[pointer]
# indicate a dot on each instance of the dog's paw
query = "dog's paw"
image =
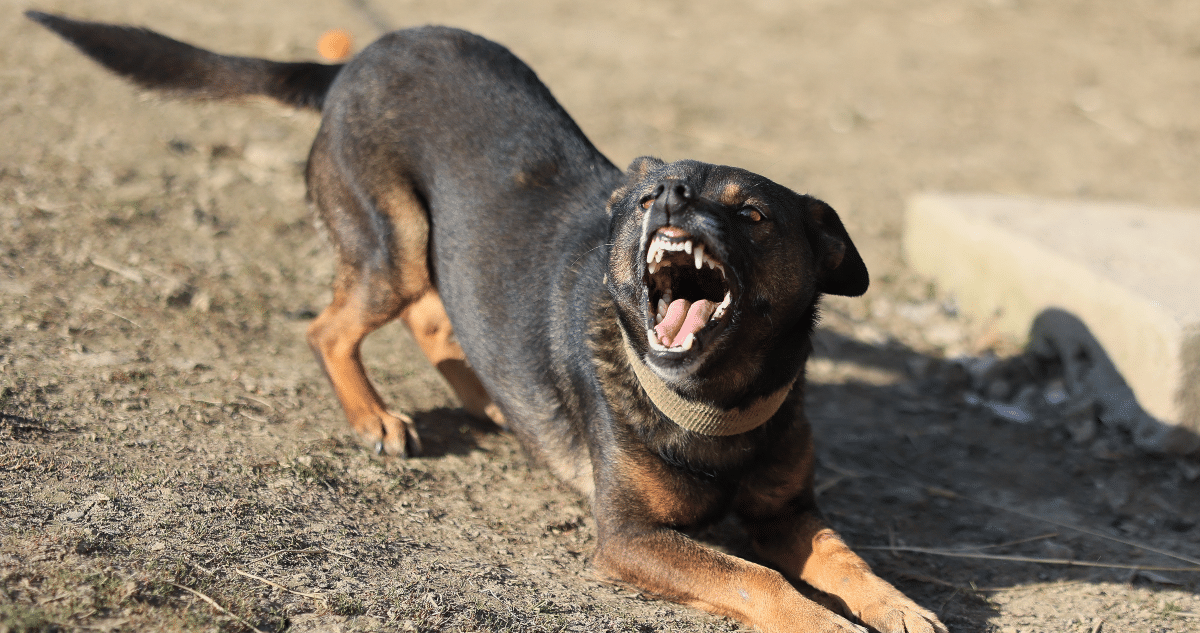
(389, 434)
(898, 614)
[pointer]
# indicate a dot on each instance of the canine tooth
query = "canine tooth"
(652, 267)
(687, 246)
(655, 252)
(687, 342)
(699, 255)
(652, 338)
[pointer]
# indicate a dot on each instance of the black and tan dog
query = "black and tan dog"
(644, 333)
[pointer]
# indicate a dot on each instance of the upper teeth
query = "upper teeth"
(660, 245)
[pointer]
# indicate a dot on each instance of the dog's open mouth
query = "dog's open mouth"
(688, 290)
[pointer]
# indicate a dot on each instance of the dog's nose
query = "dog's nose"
(672, 196)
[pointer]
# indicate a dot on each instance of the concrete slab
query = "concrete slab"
(1130, 273)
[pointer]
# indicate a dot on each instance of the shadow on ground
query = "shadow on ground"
(966, 480)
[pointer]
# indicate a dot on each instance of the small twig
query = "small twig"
(1022, 588)
(950, 494)
(55, 598)
(287, 551)
(314, 596)
(1011, 543)
(931, 580)
(201, 568)
(1089, 531)
(826, 485)
(1022, 559)
(111, 266)
(219, 607)
(342, 554)
(262, 402)
(122, 317)
(1187, 614)
(942, 609)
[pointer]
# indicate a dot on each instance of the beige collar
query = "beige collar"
(702, 417)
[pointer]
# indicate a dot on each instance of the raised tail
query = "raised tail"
(158, 62)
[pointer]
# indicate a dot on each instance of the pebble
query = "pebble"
(1056, 393)
(1009, 412)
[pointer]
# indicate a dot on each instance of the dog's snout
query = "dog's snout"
(672, 196)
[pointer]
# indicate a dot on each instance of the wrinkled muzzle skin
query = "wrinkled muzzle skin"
(731, 323)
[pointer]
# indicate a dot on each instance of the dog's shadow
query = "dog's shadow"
(929, 467)
(451, 431)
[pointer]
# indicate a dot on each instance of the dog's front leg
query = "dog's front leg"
(802, 547)
(663, 562)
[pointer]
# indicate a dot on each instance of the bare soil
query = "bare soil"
(172, 459)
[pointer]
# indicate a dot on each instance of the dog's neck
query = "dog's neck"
(702, 417)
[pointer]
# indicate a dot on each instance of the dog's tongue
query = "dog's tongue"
(683, 318)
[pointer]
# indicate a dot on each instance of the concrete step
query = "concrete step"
(1130, 274)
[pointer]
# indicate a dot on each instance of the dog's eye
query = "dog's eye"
(750, 213)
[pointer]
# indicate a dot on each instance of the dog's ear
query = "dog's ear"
(635, 173)
(641, 166)
(840, 269)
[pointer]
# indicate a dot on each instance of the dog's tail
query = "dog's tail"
(158, 62)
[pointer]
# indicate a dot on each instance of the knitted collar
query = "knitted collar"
(702, 417)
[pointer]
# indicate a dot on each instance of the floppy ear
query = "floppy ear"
(840, 269)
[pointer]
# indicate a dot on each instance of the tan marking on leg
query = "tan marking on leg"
(376, 279)
(666, 563)
(805, 548)
(426, 318)
(336, 338)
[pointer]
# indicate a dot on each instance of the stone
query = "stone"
(1114, 288)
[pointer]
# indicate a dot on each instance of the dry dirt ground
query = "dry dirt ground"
(172, 459)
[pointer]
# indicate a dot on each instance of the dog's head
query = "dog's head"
(716, 273)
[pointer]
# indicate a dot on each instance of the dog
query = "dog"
(643, 332)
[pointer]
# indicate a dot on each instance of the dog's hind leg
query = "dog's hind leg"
(382, 238)
(336, 338)
(426, 318)
(380, 228)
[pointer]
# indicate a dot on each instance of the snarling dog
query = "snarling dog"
(644, 333)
